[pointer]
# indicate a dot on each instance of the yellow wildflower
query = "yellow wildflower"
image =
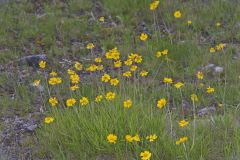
(161, 103)
(117, 64)
(168, 80)
(133, 68)
(143, 37)
(55, 80)
(146, 155)
(138, 59)
(151, 137)
(53, 101)
(136, 138)
(183, 123)
(48, 120)
(154, 5)
(179, 85)
(114, 82)
(90, 46)
(177, 14)
(53, 74)
(84, 101)
(212, 50)
(42, 64)
(199, 75)
(106, 77)
(143, 73)
(74, 78)
(112, 138)
(98, 59)
(78, 66)
(101, 19)
(110, 96)
(194, 97)
(210, 90)
(36, 83)
(189, 22)
(74, 87)
(70, 102)
(127, 103)
(129, 138)
(98, 98)
(70, 72)
(128, 62)
(127, 74)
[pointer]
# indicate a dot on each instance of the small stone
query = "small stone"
(218, 69)
(32, 127)
(209, 66)
(206, 111)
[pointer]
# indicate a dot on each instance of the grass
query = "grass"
(62, 29)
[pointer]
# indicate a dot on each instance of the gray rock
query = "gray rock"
(209, 66)
(218, 69)
(33, 60)
(32, 127)
(206, 111)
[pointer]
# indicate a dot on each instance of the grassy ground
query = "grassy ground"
(62, 30)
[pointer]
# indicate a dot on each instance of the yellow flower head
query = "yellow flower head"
(98, 98)
(218, 24)
(146, 155)
(42, 64)
(106, 77)
(129, 138)
(154, 5)
(127, 74)
(100, 67)
(138, 59)
(75, 78)
(161, 103)
(158, 54)
(183, 123)
(70, 72)
(90, 46)
(98, 59)
(179, 85)
(143, 37)
(133, 68)
(78, 66)
(110, 96)
(194, 97)
(74, 87)
(113, 54)
(53, 101)
(92, 68)
(84, 101)
(210, 90)
(55, 80)
(112, 138)
(151, 137)
(128, 62)
(36, 83)
(114, 82)
(117, 64)
(143, 73)
(53, 74)
(127, 103)
(199, 75)
(181, 140)
(136, 138)
(168, 80)
(165, 52)
(189, 22)
(177, 14)
(70, 102)
(48, 120)
(212, 50)
(101, 19)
